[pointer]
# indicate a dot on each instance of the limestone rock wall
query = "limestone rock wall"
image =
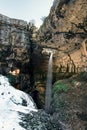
(65, 30)
(14, 41)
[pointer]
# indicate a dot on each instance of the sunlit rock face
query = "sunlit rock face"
(65, 30)
(13, 102)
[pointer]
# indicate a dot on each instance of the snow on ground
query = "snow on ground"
(13, 101)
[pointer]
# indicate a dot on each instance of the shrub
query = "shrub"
(60, 87)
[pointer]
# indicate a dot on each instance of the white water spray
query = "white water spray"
(49, 84)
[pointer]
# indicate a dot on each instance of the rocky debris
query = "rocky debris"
(39, 121)
(69, 102)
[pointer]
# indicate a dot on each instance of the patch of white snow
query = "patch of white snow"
(13, 101)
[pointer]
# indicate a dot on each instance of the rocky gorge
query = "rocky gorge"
(24, 56)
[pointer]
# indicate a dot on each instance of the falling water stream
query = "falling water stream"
(13, 102)
(49, 84)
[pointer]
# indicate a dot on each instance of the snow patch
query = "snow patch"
(13, 101)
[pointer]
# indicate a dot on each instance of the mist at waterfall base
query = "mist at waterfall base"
(12, 102)
(49, 84)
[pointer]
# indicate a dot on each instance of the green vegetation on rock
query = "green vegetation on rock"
(60, 87)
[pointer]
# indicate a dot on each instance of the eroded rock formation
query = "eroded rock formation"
(14, 41)
(16, 46)
(65, 30)
(13, 38)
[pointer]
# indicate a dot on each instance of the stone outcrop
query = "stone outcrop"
(13, 36)
(14, 42)
(16, 48)
(69, 102)
(65, 31)
(16, 39)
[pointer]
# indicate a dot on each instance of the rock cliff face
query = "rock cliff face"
(13, 37)
(14, 41)
(65, 32)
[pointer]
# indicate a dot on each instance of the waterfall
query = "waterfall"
(49, 84)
